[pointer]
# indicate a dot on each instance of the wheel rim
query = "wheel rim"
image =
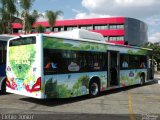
(94, 89)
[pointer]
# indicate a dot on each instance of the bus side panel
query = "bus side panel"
(24, 70)
(71, 85)
(131, 77)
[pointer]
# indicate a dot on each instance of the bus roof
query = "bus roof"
(83, 35)
(80, 34)
(5, 37)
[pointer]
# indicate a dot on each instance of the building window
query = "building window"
(71, 28)
(19, 31)
(112, 38)
(120, 38)
(120, 26)
(48, 30)
(101, 27)
(106, 38)
(33, 30)
(112, 27)
(62, 29)
(116, 38)
(87, 27)
(56, 29)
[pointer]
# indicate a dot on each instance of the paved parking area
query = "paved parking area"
(134, 103)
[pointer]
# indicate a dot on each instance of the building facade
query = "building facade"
(119, 30)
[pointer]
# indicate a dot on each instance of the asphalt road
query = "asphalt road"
(131, 103)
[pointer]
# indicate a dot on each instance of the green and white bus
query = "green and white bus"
(71, 64)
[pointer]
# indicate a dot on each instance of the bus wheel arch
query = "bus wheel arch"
(94, 86)
(142, 78)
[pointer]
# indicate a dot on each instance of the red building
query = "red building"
(119, 30)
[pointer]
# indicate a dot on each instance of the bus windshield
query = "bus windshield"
(23, 41)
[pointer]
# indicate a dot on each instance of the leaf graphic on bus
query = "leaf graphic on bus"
(58, 43)
(21, 59)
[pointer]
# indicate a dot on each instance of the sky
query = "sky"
(145, 10)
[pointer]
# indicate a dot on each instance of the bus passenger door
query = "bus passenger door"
(113, 68)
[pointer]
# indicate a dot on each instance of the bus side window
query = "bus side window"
(142, 65)
(124, 61)
(143, 62)
(51, 63)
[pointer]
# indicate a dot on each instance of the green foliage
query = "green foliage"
(1, 27)
(30, 20)
(138, 52)
(156, 50)
(53, 43)
(26, 4)
(125, 79)
(77, 87)
(9, 14)
(19, 65)
(8, 11)
(60, 44)
(40, 29)
(51, 89)
(63, 91)
(52, 16)
(93, 46)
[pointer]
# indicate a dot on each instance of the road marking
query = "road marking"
(130, 108)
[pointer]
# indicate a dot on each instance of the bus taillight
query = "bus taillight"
(8, 84)
(37, 85)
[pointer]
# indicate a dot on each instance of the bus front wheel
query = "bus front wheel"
(94, 88)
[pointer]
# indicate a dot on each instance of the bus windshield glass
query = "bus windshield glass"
(23, 41)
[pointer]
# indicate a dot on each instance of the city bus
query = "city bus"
(72, 63)
(3, 47)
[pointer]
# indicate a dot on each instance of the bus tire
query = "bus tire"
(3, 90)
(142, 79)
(94, 88)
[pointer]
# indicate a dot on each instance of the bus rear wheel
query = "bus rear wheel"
(3, 90)
(142, 80)
(94, 89)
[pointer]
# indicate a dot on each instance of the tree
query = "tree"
(52, 16)
(40, 29)
(156, 50)
(27, 18)
(30, 20)
(3, 17)
(8, 11)
(1, 27)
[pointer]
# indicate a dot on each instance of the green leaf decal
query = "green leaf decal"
(21, 59)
